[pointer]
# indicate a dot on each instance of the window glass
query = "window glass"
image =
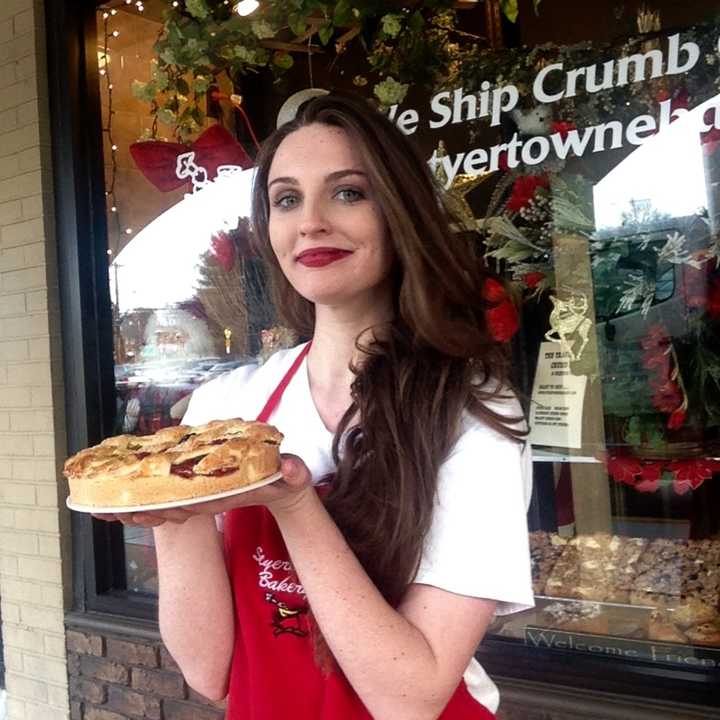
(188, 296)
(591, 173)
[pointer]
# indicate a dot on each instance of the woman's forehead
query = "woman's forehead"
(315, 147)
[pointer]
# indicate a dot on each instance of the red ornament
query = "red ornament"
(624, 468)
(524, 190)
(691, 474)
(503, 321)
(214, 147)
(563, 128)
(677, 418)
(532, 279)
(650, 474)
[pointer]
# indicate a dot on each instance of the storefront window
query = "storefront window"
(188, 296)
(590, 173)
(616, 246)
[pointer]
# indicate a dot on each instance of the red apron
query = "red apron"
(273, 674)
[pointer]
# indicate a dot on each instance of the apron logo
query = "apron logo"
(286, 619)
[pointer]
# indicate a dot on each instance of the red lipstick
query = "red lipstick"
(319, 257)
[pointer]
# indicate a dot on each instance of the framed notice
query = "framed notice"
(556, 410)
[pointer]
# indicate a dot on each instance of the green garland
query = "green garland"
(203, 39)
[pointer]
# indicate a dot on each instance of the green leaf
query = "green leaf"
(200, 85)
(510, 9)
(416, 21)
(197, 8)
(343, 14)
(283, 60)
(297, 23)
(325, 32)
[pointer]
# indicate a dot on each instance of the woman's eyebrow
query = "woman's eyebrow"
(332, 177)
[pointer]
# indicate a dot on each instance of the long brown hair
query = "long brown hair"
(435, 360)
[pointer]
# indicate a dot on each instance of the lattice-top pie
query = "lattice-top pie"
(175, 463)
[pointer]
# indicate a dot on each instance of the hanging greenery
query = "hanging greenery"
(414, 43)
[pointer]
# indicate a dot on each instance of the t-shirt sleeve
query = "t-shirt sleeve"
(478, 541)
(222, 398)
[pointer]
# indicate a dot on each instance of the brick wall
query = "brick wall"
(114, 677)
(34, 578)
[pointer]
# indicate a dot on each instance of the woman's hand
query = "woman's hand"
(284, 495)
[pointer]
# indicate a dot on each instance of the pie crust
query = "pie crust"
(182, 462)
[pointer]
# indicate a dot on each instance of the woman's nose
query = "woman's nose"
(314, 218)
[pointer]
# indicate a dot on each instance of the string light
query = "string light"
(246, 7)
(104, 61)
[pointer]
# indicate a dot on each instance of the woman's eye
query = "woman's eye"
(349, 195)
(285, 202)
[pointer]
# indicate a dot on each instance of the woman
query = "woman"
(365, 579)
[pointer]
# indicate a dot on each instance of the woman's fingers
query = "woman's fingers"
(294, 471)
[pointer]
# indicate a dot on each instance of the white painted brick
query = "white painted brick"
(36, 519)
(52, 596)
(44, 445)
(22, 91)
(49, 546)
(18, 47)
(9, 565)
(23, 23)
(9, 167)
(16, 709)
(32, 207)
(29, 183)
(24, 138)
(26, 67)
(43, 618)
(54, 646)
(37, 301)
(39, 420)
(22, 470)
(39, 568)
(4, 421)
(9, 121)
(7, 518)
(28, 326)
(23, 687)
(14, 444)
(30, 159)
(11, 351)
(41, 397)
(3, 376)
(40, 350)
(34, 254)
(46, 496)
(6, 30)
(8, 74)
(20, 590)
(14, 661)
(12, 305)
(18, 397)
(19, 280)
(59, 698)
(12, 211)
(10, 612)
(22, 233)
(17, 494)
(12, 259)
(34, 373)
(48, 669)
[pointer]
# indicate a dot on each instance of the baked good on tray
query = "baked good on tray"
(176, 463)
(545, 549)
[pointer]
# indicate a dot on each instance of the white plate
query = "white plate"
(175, 503)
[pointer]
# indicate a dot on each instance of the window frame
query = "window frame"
(81, 232)
(86, 318)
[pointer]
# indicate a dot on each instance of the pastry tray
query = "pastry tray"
(174, 503)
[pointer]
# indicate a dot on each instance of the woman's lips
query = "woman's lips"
(321, 256)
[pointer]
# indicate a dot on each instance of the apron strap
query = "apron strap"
(274, 398)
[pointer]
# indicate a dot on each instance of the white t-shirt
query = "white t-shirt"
(478, 540)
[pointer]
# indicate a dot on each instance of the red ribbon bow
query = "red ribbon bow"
(157, 160)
